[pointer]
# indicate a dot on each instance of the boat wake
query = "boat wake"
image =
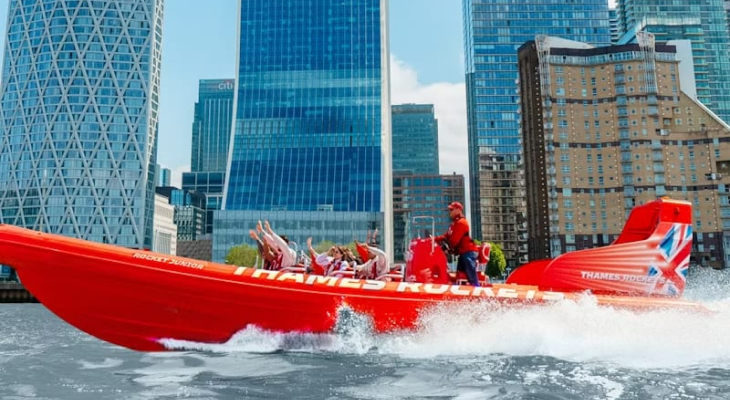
(576, 331)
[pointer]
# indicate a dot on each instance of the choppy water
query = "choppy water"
(563, 351)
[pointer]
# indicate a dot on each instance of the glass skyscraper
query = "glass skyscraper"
(79, 97)
(415, 139)
(493, 32)
(211, 138)
(702, 22)
(212, 125)
(311, 144)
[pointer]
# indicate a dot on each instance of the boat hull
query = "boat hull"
(136, 298)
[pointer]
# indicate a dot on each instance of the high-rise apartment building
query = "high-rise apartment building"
(608, 128)
(704, 23)
(415, 139)
(79, 103)
(613, 25)
(211, 139)
(493, 31)
(311, 145)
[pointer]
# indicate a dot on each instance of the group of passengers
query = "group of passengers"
(338, 261)
(371, 262)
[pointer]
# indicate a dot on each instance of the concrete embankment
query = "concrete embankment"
(15, 293)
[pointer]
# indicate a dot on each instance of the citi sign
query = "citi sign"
(227, 85)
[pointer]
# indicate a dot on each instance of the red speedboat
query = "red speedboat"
(135, 298)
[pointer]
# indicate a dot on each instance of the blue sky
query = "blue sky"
(200, 43)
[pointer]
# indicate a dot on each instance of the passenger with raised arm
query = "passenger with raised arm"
(377, 261)
(316, 267)
(269, 256)
(333, 261)
(459, 243)
(280, 243)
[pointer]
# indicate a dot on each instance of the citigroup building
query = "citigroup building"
(310, 149)
(78, 122)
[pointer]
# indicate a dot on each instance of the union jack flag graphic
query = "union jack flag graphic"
(675, 248)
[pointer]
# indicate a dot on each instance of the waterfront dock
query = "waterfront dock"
(13, 292)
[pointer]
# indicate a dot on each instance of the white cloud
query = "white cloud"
(176, 175)
(449, 100)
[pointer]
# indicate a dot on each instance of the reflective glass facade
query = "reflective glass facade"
(425, 198)
(211, 138)
(674, 19)
(211, 185)
(80, 89)
(311, 109)
(415, 139)
(212, 125)
(493, 31)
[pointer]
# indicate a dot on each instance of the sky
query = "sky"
(427, 67)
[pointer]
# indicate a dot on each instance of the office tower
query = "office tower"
(704, 23)
(311, 146)
(189, 212)
(212, 125)
(211, 138)
(80, 90)
(606, 129)
(415, 139)
(493, 31)
(420, 195)
(164, 175)
(420, 206)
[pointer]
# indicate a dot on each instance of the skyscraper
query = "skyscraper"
(420, 194)
(164, 175)
(211, 138)
(80, 90)
(311, 145)
(705, 24)
(613, 25)
(415, 139)
(493, 31)
(212, 125)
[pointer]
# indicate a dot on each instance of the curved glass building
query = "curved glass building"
(79, 102)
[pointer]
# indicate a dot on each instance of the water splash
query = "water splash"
(577, 331)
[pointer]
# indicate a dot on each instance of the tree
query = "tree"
(497, 263)
(243, 255)
(323, 247)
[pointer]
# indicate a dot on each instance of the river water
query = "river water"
(569, 350)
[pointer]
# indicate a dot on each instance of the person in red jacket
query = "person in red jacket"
(457, 237)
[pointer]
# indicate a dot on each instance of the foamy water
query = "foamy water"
(573, 331)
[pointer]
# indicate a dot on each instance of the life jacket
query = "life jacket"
(335, 266)
(363, 251)
(275, 263)
(317, 268)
